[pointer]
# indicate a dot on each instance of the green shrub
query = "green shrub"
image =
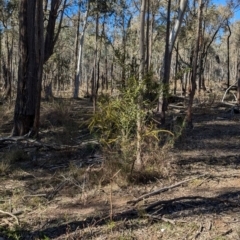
(115, 122)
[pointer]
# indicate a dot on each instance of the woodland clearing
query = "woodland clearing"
(53, 188)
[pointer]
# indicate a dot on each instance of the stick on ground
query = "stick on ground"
(147, 195)
(10, 214)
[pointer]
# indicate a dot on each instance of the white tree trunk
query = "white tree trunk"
(174, 32)
(79, 60)
(177, 25)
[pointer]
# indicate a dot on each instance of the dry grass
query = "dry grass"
(69, 194)
(6, 118)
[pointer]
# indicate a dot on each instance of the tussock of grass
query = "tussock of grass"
(58, 119)
(57, 113)
(9, 159)
(4, 167)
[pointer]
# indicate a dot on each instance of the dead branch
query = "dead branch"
(147, 195)
(159, 218)
(31, 143)
(10, 214)
(162, 202)
(35, 195)
(227, 91)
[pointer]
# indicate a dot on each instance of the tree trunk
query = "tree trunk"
(148, 36)
(7, 69)
(78, 74)
(106, 69)
(1, 57)
(176, 71)
(228, 57)
(194, 65)
(162, 103)
(238, 88)
(51, 37)
(177, 25)
(76, 53)
(7, 81)
(39, 42)
(170, 41)
(138, 162)
(30, 67)
(33, 53)
(95, 71)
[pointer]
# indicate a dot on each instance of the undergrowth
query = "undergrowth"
(115, 124)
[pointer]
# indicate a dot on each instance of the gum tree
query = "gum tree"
(34, 51)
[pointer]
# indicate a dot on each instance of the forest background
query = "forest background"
(117, 95)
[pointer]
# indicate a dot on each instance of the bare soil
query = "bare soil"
(56, 191)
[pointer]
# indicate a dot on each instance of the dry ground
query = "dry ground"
(58, 193)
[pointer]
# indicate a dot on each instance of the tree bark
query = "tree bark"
(176, 71)
(30, 66)
(95, 66)
(170, 41)
(51, 37)
(228, 53)
(138, 162)
(238, 88)
(194, 65)
(162, 103)
(78, 74)
(33, 53)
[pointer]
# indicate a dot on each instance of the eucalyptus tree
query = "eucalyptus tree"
(195, 62)
(82, 6)
(234, 51)
(142, 67)
(100, 15)
(215, 18)
(34, 50)
(8, 10)
(171, 36)
(228, 53)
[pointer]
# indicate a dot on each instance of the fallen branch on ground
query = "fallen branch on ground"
(147, 195)
(10, 214)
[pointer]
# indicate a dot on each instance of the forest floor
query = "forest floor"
(53, 190)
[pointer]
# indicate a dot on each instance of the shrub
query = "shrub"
(115, 123)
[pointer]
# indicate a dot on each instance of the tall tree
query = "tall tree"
(169, 44)
(33, 52)
(138, 163)
(228, 54)
(162, 104)
(195, 63)
(80, 43)
(30, 67)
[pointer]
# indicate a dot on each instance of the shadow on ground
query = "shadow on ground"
(174, 209)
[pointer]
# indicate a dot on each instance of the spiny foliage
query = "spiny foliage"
(116, 115)
(115, 121)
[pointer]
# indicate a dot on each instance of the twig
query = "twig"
(168, 220)
(35, 195)
(205, 179)
(10, 214)
(147, 195)
(227, 232)
(35, 143)
(199, 231)
(161, 218)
